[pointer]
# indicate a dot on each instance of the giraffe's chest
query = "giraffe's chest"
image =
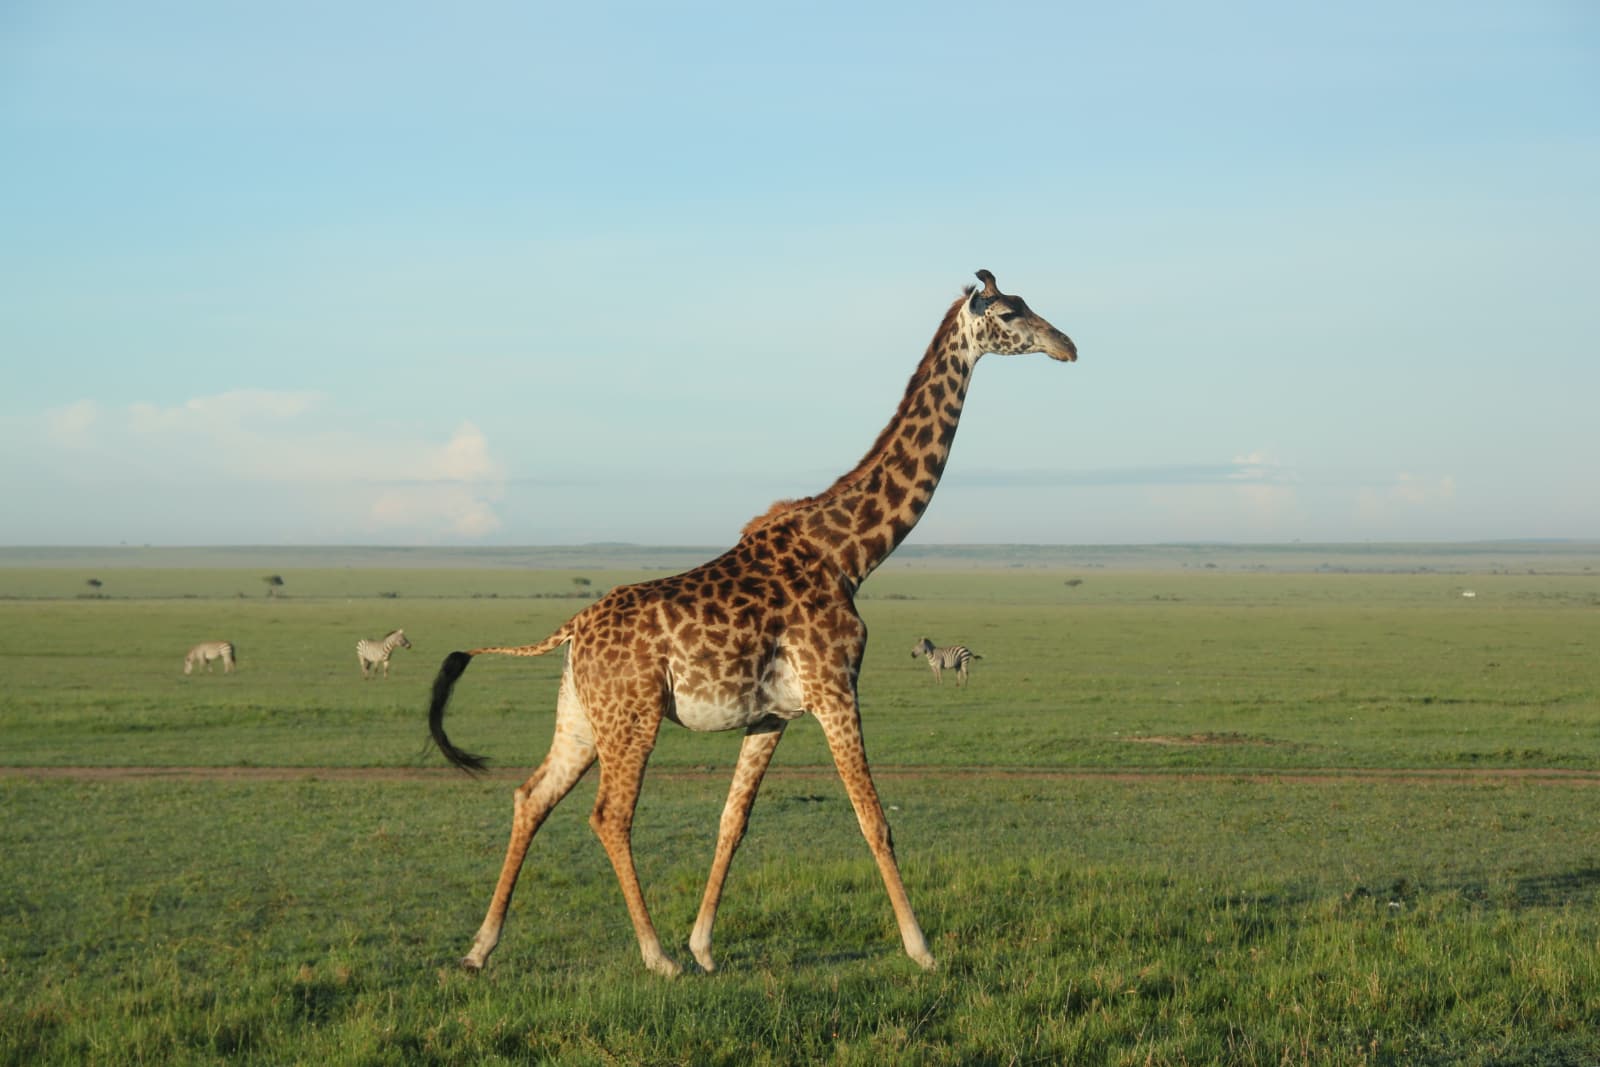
(708, 695)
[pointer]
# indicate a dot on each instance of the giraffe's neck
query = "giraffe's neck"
(859, 520)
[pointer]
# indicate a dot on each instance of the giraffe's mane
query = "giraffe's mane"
(919, 378)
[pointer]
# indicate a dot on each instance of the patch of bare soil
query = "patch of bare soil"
(1189, 740)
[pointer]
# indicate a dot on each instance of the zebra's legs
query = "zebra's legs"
(754, 756)
(571, 753)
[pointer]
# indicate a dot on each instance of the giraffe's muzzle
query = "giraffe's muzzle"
(1058, 345)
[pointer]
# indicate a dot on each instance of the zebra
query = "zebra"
(206, 651)
(373, 653)
(953, 656)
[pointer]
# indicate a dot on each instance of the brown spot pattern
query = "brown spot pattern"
(764, 632)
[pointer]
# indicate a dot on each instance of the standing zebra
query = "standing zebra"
(953, 656)
(373, 653)
(205, 652)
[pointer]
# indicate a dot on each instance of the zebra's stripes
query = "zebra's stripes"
(375, 653)
(953, 657)
(207, 651)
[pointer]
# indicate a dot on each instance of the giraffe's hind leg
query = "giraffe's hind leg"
(754, 756)
(622, 758)
(571, 754)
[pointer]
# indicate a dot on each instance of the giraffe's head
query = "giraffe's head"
(1006, 326)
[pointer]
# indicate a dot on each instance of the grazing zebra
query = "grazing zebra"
(207, 651)
(373, 653)
(954, 656)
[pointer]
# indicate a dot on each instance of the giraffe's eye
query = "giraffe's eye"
(1007, 316)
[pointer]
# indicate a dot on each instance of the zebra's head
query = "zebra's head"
(923, 648)
(399, 637)
(1006, 326)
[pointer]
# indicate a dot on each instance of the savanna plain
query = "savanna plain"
(1312, 807)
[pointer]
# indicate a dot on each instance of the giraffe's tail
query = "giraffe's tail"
(455, 664)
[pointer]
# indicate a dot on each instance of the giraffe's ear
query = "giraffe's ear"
(981, 299)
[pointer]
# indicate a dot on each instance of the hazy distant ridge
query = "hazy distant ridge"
(1569, 557)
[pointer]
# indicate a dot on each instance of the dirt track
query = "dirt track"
(512, 776)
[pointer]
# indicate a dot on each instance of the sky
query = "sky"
(496, 273)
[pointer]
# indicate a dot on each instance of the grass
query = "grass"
(1298, 671)
(1178, 817)
(1075, 921)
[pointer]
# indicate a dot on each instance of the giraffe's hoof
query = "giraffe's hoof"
(701, 950)
(926, 961)
(470, 964)
(663, 966)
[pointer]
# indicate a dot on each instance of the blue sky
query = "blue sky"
(520, 273)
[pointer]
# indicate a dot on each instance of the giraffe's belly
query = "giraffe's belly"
(735, 704)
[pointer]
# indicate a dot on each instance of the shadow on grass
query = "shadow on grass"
(1580, 886)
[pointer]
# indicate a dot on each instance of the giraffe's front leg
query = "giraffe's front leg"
(754, 757)
(841, 724)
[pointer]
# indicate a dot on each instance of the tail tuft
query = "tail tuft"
(452, 668)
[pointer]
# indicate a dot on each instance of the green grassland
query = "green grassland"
(1183, 814)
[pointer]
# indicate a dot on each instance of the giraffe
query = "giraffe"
(764, 633)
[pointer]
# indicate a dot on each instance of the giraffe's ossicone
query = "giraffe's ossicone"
(764, 633)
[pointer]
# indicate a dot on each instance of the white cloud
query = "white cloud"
(434, 511)
(224, 411)
(225, 450)
(1258, 466)
(1243, 511)
(465, 458)
(1405, 495)
(71, 426)
(456, 485)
